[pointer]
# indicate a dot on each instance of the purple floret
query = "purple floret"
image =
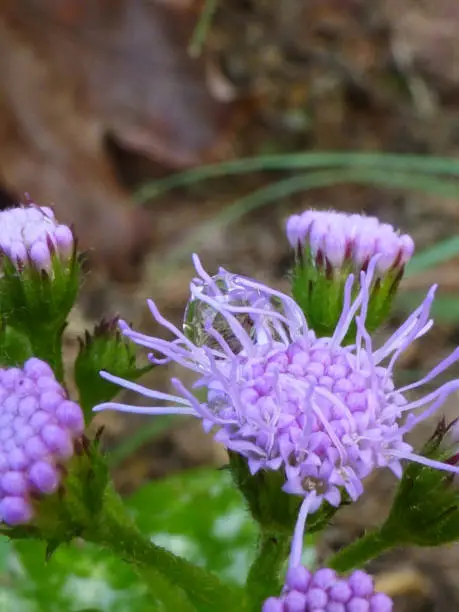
(305, 591)
(38, 426)
(31, 235)
(339, 239)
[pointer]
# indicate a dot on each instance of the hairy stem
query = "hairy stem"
(116, 532)
(359, 552)
(264, 575)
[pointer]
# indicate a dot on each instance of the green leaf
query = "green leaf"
(77, 578)
(200, 516)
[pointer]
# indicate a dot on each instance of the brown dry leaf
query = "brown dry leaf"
(425, 39)
(75, 72)
(401, 582)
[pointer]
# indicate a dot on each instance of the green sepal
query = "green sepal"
(425, 511)
(319, 291)
(105, 349)
(15, 347)
(37, 304)
(273, 509)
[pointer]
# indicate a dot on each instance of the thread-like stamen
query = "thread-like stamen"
(441, 367)
(132, 386)
(348, 312)
(168, 325)
(298, 534)
(203, 274)
(437, 465)
(398, 341)
(151, 410)
(288, 303)
(217, 336)
(442, 394)
(200, 408)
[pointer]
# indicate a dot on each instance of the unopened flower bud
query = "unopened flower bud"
(39, 276)
(38, 427)
(328, 247)
(305, 591)
(30, 235)
(349, 240)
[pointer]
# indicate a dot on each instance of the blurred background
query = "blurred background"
(103, 102)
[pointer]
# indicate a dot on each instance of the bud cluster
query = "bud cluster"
(329, 246)
(31, 235)
(38, 428)
(325, 591)
(336, 240)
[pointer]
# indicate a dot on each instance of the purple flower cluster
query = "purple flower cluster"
(324, 591)
(339, 239)
(31, 234)
(38, 426)
(325, 413)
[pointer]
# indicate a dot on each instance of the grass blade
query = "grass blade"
(294, 161)
(305, 182)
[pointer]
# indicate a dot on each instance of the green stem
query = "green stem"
(359, 552)
(263, 579)
(116, 532)
(169, 596)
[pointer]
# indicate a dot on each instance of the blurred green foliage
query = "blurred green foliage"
(197, 514)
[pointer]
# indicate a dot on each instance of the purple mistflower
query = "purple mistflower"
(338, 239)
(31, 234)
(38, 426)
(325, 413)
(324, 591)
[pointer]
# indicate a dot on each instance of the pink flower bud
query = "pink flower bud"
(31, 234)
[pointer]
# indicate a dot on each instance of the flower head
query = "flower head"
(324, 590)
(336, 240)
(328, 247)
(39, 271)
(31, 234)
(38, 426)
(323, 412)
